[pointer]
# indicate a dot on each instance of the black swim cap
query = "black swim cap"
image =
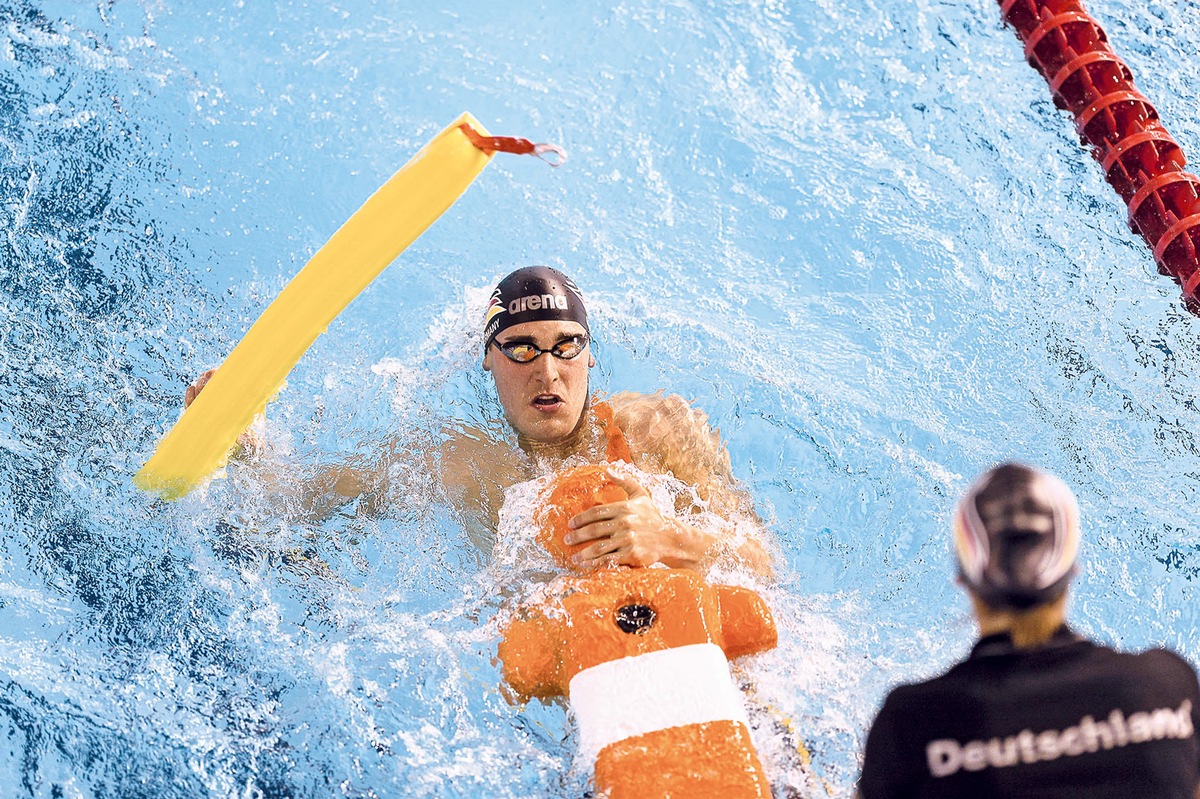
(1016, 535)
(533, 294)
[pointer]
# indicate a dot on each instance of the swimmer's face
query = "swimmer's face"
(543, 399)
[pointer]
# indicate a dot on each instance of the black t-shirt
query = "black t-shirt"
(1068, 719)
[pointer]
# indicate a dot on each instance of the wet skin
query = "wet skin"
(543, 399)
(546, 402)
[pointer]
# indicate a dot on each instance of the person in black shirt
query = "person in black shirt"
(1035, 710)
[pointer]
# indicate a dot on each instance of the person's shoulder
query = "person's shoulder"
(960, 681)
(625, 403)
(668, 434)
(1155, 657)
(1157, 666)
(657, 416)
(1166, 662)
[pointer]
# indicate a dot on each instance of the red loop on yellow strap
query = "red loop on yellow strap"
(515, 145)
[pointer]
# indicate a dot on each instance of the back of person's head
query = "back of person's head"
(1016, 537)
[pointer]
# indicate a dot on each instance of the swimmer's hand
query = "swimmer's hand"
(249, 443)
(633, 533)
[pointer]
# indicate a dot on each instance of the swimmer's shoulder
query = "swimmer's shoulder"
(1157, 664)
(1164, 667)
(652, 417)
(668, 434)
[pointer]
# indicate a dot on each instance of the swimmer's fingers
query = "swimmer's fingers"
(603, 551)
(627, 548)
(195, 388)
(250, 444)
(599, 513)
(623, 556)
(593, 530)
(630, 508)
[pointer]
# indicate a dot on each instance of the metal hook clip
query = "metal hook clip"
(557, 155)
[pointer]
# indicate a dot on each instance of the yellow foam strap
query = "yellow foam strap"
(394, 216)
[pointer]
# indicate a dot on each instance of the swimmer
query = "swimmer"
(537, 349)
(1035, 709)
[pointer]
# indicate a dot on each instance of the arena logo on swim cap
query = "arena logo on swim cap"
(537, 302)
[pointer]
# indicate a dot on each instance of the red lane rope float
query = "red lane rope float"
(1151, 152)
(1141, 160)
(550, 153)
(1093, 69)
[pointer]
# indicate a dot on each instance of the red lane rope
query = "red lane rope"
(551, 154)
(1076, 66)
(1141, 160)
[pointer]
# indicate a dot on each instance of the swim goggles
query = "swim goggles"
(527, 352)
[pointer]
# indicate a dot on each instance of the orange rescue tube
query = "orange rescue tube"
(575, 491)
(643, 656)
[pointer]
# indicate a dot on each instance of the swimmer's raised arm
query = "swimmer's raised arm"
(313, 492)
(249, 443)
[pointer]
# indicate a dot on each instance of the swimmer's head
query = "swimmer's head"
(1016, 536)
(537, 348)
(533, 294)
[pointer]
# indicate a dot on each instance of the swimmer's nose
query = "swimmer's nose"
(546, 367)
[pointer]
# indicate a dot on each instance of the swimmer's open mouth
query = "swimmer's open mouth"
(547, 401)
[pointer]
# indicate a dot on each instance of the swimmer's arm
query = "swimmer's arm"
(745, 540)
(317, 491)
(695, 548)
(668, 435)
(331, 486)
(715, 483)
(475, 469)
(634, 533)
(311, 493)
(468, 469)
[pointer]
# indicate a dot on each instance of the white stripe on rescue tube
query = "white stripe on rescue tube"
(646, 693)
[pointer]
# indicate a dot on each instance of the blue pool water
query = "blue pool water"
(858, 235)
